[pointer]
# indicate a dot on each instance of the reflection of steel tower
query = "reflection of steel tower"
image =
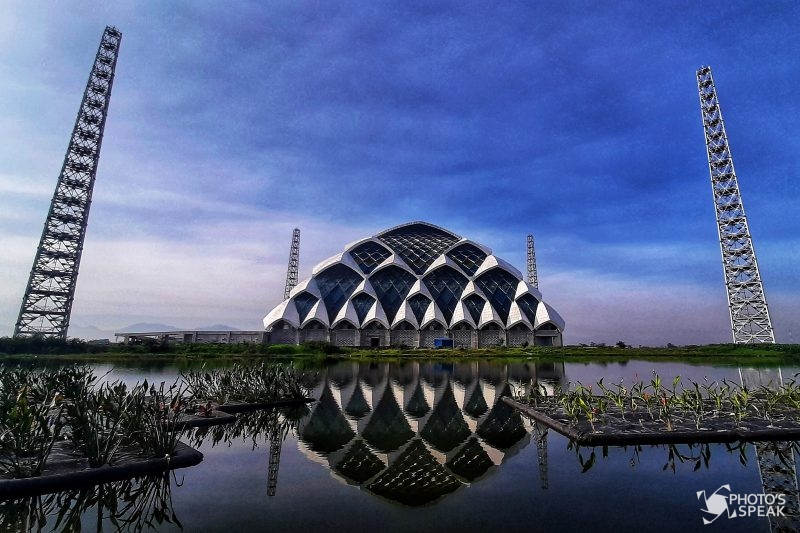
(776, 465)
(48, 298)
(533, 279)
(540, 435)
(776, 461)
(294, 264)
(275, 444)
(750, 320)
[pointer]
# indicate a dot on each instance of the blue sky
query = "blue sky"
(232, 123)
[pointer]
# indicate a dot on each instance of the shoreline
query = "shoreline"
(758, 355)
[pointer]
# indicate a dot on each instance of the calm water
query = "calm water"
(422, 447)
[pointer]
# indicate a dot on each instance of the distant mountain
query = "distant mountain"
(217, 327)
(89, 333)
(142, 327)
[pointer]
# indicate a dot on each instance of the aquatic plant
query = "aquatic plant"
(38, 408)
(101, 421)
(259, 383)
(651, 402)
(30, 421)
(154, 416)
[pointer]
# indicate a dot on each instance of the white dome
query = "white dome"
(411, 277)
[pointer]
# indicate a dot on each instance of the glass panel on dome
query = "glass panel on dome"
(528, 304)
(369, 255)
(468, 257)
(419, 304)
(474, 305)
(304, 302)
(446, 286)
(418, 244)
(499, 286)
(392, 285)
(362, 304)
(336, 284)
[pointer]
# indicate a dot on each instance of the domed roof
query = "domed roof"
(415, 273)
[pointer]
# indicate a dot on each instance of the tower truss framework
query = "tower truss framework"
(47, 303)
(750, 320)
(294, 264)
(533, 277)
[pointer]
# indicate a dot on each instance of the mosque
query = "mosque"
(415, 285)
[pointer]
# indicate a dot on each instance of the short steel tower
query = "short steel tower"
(533, 278)
(750, 321)
(48, 298)
(294, 264)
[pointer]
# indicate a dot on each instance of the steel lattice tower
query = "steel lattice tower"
(294, 264)
(750, 321)
(533, 278)
(48, 298)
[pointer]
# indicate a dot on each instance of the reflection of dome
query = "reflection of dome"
(417, 442)
(410, 285)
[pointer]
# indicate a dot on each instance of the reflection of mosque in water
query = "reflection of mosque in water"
(415, 432)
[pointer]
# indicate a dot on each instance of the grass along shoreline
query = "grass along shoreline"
(43, 350)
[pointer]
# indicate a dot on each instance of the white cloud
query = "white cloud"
(603, 308)
(231, 272)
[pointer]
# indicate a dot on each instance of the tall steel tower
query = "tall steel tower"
(750, 322)
(533, 278)
(294, 264)
(48, 298)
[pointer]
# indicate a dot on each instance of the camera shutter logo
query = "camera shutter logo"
(716, 504)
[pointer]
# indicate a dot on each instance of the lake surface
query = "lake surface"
(422, 446)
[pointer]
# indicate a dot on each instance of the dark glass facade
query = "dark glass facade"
(528, 304)
(418, 244)
(392, 285)
(362, 304)
(474, 305)
(468, 257)
(336, 283)
(446, 286)
(304, 302)
(499, 287)
(369, 255)
(419, 304)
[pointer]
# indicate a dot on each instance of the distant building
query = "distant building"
(410, 285)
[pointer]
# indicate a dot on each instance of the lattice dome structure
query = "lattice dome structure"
(410, 285)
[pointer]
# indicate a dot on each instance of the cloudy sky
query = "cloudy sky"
(232, 123)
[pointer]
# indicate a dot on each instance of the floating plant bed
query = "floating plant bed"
(225, 413)
(61, 429)
(657, 413)
(638, 428)
(240, 407)
(64, 471)
(215, 417)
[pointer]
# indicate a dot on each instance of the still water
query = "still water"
(419, 446)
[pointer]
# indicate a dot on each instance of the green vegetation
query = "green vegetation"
(41, 407)
(260, 383)
(31, 420)
(663, 404)
(22, 350)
